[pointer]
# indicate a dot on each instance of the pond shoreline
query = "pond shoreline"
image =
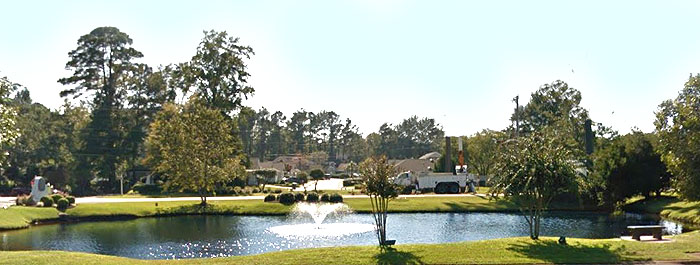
(129, 211)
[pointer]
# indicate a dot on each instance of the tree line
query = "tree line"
(111, 102)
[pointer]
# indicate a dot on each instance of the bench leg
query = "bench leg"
(635, 236)
(657, 236)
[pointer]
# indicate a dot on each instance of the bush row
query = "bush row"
(61, 202)
(290, 198)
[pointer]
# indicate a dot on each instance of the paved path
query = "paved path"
(236, 198)
(7, 202)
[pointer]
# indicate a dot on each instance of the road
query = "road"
(7, 202)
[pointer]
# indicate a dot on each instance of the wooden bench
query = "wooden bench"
(638, 230)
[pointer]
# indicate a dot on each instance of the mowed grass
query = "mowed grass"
(436, 204)
(498, 251)
(20, 217)
(669, 207)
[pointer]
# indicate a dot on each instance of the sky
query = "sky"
(459, 62)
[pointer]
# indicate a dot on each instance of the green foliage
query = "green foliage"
(56, 197)
(270, 198)
(24, 200)
(217, 72)
(325, 197)
(555, 105)
(312, 197)
(532, 170)
(413, 137)
(62, 204)
(377, 175)
(70, 199)
(627, 166)
(193, 147)
(48, 141)
(678, 128)
(482, 151)
(335, 198)
(147, 189)
(316, 174)
(102, 68)
(8, 129)
(46, 201)
(287, 198)
(299, 196)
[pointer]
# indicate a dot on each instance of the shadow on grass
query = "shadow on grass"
(553, 252)
(390, 256)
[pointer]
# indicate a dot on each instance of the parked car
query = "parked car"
(17, 191)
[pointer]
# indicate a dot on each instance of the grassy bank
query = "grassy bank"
(498, 251)
(668, 207)
(19, 217)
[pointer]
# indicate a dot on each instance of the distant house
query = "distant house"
(253, 178)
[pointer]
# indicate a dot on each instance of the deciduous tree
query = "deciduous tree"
(531, 171)
(193, 147)
(217, 73)
(377, 176)
(678, 128)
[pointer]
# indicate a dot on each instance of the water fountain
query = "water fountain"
(318, 212)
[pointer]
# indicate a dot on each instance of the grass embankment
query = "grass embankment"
(498, 251)
(669, 207)
(20, 217)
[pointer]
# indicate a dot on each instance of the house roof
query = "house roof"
(415, 165)
(433, 155)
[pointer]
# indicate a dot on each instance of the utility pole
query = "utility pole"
(517, 116)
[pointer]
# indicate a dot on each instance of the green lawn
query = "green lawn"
(21, 217)
(18, 217)
(498, 251)
(667, 206)
(508, 250)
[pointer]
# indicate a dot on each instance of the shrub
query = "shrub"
(247, 191)
(312, 197)
(270, 198)
(325, 197)
(348, 183)
(277, 191)
(56, 197)
(47, 201)
(335, 198)
(62, 204)
(287, 198)
(147, 189)
(299, 196)
(359, 187)
(237, 190)
(24, 200)
(71, 199)
(256, 190)
(6, 185)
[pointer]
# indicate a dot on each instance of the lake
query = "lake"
(219, 236)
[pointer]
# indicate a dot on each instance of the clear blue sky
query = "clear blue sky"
(460, 62)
